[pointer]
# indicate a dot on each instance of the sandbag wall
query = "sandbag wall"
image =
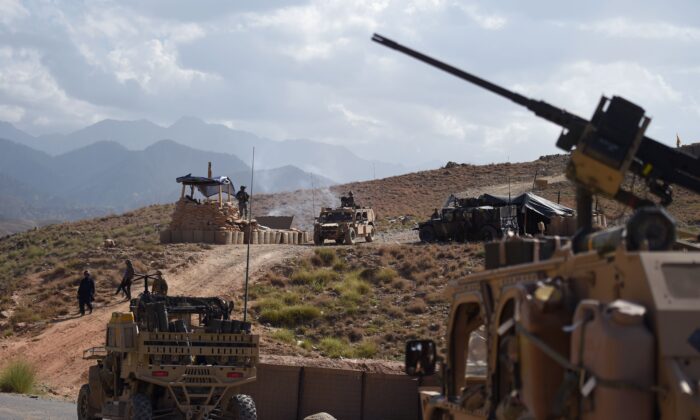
(294, 392)
(233, 237)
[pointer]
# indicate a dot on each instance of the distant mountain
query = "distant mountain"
(106, 177)
(332, 161)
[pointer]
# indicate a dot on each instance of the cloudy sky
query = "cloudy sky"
(307, 69)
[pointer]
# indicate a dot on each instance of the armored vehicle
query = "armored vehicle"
(345, 223)
(171, 357)
(600, 325)
(469, 220)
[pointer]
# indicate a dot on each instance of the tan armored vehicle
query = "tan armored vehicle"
(602, 325)
(171, 357)
(345, 223)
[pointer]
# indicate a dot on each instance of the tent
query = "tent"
(531, 208)
(208, 186)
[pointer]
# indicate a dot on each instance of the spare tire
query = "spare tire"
(350, 236)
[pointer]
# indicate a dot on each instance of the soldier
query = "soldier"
(125, 285)
(160, 286)
(86, 292)
(243, 198)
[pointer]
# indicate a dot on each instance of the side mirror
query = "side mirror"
(421, 357)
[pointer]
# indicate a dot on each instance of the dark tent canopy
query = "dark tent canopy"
(208, 186)
(531, 202)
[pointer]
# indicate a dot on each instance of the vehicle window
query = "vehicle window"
(476, 353)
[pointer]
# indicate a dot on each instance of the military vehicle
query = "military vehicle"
(602, 325)
(469, 220)
(171, 357)
(345, 224)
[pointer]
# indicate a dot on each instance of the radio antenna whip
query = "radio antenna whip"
(250, 234)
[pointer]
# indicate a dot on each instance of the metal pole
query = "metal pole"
(313, 198)
(250, 235)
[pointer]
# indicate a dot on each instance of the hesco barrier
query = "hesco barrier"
(294, 392)
(226, 237)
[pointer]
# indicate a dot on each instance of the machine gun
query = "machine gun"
(603, 149)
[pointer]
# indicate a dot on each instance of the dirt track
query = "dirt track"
(57, 351)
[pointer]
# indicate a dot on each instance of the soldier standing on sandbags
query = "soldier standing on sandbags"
(243, 198)
(86, 292)
(125, 285)
(160, 286)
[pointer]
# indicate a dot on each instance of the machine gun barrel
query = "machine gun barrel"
(540, 108)
(654, 159)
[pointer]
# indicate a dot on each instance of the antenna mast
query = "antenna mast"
(250, 234)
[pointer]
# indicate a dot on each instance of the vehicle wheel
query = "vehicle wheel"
(488, 233)
(370, 236)
(140, 407)
(85, 412)
(243, 407)
(317, 239)
(350, 236)
(340, 241)
(426, 234)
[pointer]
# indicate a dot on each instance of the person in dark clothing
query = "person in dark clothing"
(243, 198)
(125, 285)
(86, 292)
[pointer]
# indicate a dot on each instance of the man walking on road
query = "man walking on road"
(125, 285)
(242, 198)
(86, 292)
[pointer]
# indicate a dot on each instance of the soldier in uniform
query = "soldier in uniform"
(160, 286)
(125, 285)
(86, 292)
(243, 198)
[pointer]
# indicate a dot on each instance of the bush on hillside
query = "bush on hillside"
(17, 377)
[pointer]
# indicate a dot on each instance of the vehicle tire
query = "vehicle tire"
(340, 241)
(350, 236)
(317, 239)
(488, 233)
(370, 236)
(140, 407)
(427, 234)
(85, 412)
(242, 407)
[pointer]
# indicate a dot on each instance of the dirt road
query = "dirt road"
(57, 351)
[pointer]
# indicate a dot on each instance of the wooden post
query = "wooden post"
(220, 198)
(228, 192)
(182, 194)
(209, 171)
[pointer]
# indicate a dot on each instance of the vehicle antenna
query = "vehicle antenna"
(534, 180)
(250, 233)
(313, 196)
(508, 160)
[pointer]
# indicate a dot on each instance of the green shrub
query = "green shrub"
(385, 275)
(366, 350)
(290, 316)
(335, 348)
(18, 377)
(326, 256)
(283, 335)
(316, 279)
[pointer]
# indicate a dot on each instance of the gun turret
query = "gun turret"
(605, 147)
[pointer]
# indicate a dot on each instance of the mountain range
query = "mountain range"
(106, 177)
(334, 162)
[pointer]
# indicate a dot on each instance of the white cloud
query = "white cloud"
(451, 126)
(24, 79)
(12, 10)
(625, 28)
(484, 20)
(579, 85)
(11, 113)
(353, 118)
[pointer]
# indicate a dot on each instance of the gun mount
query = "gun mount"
(603, 149)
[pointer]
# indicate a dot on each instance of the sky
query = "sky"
(307, 69)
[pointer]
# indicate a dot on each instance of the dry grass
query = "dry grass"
(382, 296)
(18, 376)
